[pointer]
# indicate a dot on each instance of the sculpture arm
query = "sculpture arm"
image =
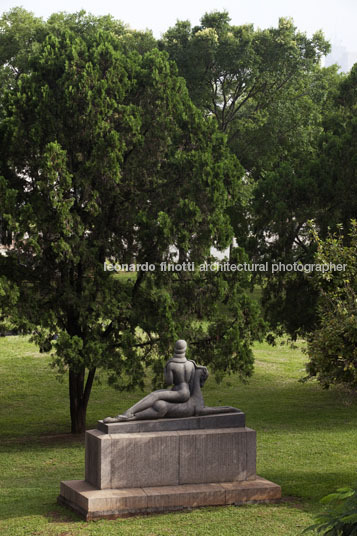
(197, 366)
(200, 367)
(168, 374)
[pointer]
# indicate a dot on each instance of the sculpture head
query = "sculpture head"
(180, 348)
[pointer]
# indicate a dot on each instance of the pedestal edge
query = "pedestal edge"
(200, 422)
(114, 503)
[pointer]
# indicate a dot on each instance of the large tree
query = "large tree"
(335, 168)
(104, 157)
(269, 94)
(236, 72)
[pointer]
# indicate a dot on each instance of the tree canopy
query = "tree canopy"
(105, 158)
(271, 97)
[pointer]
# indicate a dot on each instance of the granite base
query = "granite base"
(147, 459)
(92, 503)
(145, 467)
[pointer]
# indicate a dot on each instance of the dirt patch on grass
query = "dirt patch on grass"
(295, 502)
(59, 517)
(61, 438)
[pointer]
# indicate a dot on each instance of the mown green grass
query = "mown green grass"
(307, 443)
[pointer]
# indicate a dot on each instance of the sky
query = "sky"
(337, 18)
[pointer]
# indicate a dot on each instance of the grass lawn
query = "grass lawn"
(307, 443)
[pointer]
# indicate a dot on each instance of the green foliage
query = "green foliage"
(234, 72)
(8, 298)
(19, 33)
(340, 519)
(321, 187)
(269, 94)
(104, 156)
(332, 346)
(335, 171)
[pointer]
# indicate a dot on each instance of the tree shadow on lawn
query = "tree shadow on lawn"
(45, 440)
(34, 495)
(36, 505)
(309, 486)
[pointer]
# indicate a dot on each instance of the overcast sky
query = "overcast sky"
(337, 18)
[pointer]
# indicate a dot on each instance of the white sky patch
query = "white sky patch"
(337, 18)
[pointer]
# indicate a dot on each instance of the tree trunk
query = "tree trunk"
(79, 392)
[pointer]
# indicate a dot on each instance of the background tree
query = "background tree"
(103, 156)
(286, 194)
(267, 91)
(234, 72)
(324, 188)
(335, 169)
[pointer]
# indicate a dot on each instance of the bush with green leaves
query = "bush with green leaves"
(340, 517)
(332, 347)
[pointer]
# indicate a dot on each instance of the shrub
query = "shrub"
(340, 517)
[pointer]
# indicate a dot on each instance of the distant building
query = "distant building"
(343, 57)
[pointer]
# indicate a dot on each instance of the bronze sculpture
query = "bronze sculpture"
(183, 400)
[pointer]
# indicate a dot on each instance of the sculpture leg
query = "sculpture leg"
(157, 411)
(145, 402)
(161, 395)
(206, 410)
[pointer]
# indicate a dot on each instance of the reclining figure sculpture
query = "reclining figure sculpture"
(183, 400)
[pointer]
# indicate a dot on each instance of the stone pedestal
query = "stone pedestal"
(129, 471)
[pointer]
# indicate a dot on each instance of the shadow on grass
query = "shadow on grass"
(309, 486)
(43, 440)
(36, 505)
